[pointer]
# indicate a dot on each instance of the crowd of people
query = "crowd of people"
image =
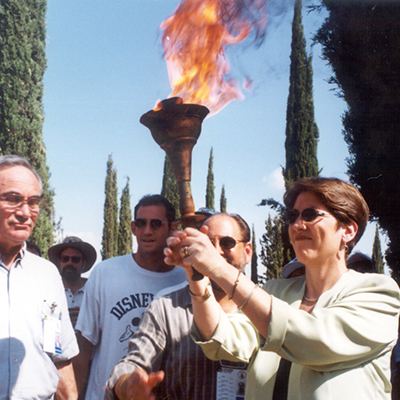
(141, 328)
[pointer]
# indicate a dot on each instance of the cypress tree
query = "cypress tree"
(254, 267)
(312, 136)
(109, 242)
(210, 183)
(115, 211)
(125, 217)
(377, 258)
(222, 202)
(272, 250)
(169, 187)
(301, 130)
(22, 66)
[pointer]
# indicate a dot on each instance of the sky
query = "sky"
(106, 68)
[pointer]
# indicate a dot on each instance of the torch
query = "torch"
(175, 127)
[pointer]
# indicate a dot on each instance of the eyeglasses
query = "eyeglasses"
(74, 259)
(154, 223)
(14, 201)
(226, 242)
(307, 215)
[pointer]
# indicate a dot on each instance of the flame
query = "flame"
(194, 40)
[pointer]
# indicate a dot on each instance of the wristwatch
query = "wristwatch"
(204, 297)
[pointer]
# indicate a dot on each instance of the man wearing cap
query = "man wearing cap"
(37, 341)
(73, 257)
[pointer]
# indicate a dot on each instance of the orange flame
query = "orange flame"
(194, 40)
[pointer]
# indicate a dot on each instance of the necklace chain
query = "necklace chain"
(310, 300)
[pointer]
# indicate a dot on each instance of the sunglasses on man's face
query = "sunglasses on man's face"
(307, 215)
(155, 223)
(226, 242)
(74, 259)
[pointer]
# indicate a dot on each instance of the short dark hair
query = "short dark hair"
(157, 200)
(12, 160)
(242, 224)
(343, 200)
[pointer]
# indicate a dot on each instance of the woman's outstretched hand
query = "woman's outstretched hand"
(193, 248)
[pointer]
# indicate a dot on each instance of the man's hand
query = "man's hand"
(81, 363)
(138, 385)
(66, 389)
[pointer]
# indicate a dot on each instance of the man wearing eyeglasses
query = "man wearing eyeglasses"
(37, 341)
(163, 361)
(119, 290)
(73, 257)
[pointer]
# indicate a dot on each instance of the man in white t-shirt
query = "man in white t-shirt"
(118, 291)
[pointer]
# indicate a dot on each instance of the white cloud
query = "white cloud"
(274, 181)
(277, 181)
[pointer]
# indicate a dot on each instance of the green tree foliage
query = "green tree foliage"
(109, 243)
(361, 42)
(125, 240)
(301, 129)
(377, 258)
(254, 266)
(169, 187)
(222, 202)
(272, 249)
(210, 183)
(115, 210)
(22, 66)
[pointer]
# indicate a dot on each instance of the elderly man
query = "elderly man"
(37, 341)
(162, 352)
(73, 257)
(119, 290)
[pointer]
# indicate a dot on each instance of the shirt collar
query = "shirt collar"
(20, 256)
(23, 251)
(68, 290)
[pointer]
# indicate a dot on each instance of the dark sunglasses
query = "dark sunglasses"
(227, 242)
(307, 215)
(74, 259)
(154, 223)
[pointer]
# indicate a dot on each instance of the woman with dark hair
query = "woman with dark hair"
(327, 335)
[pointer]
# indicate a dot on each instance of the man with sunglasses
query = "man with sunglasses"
(73, 257)
(37, 341)
(117, 293)
(162, 356)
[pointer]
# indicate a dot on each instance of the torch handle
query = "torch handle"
(176, 127)
(190, 219)
(197, 276)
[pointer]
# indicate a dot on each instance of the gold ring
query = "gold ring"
(185, 252)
